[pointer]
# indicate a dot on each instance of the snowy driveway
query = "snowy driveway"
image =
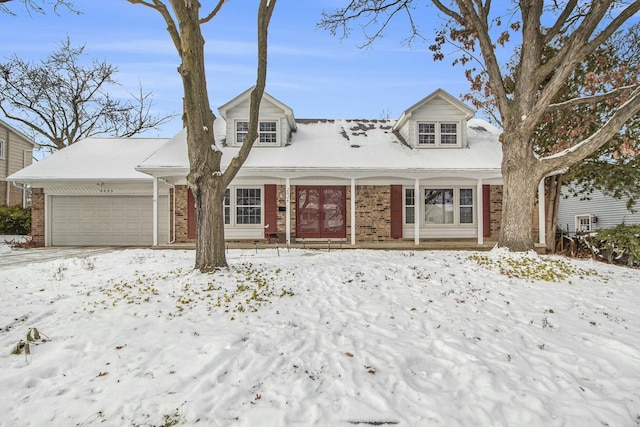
(20, 257)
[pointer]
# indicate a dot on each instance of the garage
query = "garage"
(106, 220)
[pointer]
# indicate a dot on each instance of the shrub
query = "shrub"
(15, 220)
(620, 244)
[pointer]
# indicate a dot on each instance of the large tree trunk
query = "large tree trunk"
(520, 185)
(204, 177)
(208, 195)
(552, 199)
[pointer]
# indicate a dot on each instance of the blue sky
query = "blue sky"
(316, 74)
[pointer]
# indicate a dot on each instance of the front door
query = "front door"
(321, 212)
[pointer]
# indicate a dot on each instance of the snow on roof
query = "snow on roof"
(93, 158)
(317, 145)
(347, 144)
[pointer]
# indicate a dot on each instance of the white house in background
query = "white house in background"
(433, 174)
(597, 213)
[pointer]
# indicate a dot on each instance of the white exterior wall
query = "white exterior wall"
(436, 110)
(268, 111)
(609, 211)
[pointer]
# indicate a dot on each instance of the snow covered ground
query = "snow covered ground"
(352, 337)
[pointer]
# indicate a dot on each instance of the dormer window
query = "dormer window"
(438, 134)
(267, 132)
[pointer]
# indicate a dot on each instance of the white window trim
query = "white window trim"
(258, 143)
(438, 135)
(233, 205)
(578, 225)
(2, 149)
(456, 206)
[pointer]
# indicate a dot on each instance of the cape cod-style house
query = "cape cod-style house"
(431, 175)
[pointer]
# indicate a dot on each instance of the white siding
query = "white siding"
(436, 110)
(268, 111)
(609, 211)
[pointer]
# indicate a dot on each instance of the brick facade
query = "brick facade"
(373, 214)
(496, 211)
(181, 216)
(37, 217)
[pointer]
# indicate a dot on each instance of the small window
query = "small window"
(267, 132)
(1, 149)
(438, 134)
(583, 223)
(248, 206)
(426, 133)
(466, 206)
(448, 133)
(241, 131)
(409, 206)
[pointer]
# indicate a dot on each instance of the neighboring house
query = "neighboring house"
(577, 214)
(433, 174)
(16, 152)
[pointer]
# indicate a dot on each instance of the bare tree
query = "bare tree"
(37, 5)
(206, 179)
(575, 28)
(59, 101)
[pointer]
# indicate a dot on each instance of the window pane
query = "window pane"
(248, 206)
(448, 139)
(410, 215)
(268, 138)
(448, 128)
(267, 126)
(426, 133)
(466, 215)
(426, 128)
(466, 197)
(438, 206)
(241, 131)
(426, 139)
(448, 133)
(409, 197)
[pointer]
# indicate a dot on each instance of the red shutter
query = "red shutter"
(191, 215)
(486, 211)
(396, 211)
(270, 209)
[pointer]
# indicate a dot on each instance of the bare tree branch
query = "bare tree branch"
(60, 101)
(265, 11)
(590, 99)
(214, 12)
(172, 28)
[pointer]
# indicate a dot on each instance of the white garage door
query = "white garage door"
(106, 220)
